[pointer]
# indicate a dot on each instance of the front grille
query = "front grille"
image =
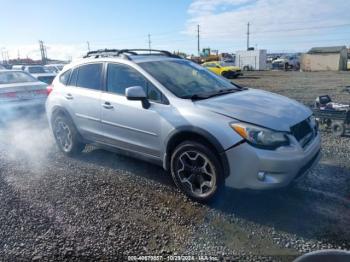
(303, 132)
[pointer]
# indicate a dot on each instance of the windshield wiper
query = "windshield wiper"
(223, 92)
(196, 96)
(211, 94)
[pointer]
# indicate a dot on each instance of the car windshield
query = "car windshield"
(46, 79)
(195, 80)
(36, 69)
(15, 77)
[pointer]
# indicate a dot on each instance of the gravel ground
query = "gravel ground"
(103, 206)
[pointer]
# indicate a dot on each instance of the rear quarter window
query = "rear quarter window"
(65, 77)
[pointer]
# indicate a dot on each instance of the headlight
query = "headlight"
(261, 137)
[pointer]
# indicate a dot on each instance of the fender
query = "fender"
(202, 134)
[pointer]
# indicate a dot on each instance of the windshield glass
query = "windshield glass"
(46, 79)
(15, 77)
(194, 80)
(36, 69)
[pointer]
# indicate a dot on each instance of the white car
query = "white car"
(54, 68)
(40, 73)
(19, 91)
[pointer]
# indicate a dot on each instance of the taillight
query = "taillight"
(49, 89)
(9, 95)
(41, 92)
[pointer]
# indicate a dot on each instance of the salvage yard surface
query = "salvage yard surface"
(101, 205)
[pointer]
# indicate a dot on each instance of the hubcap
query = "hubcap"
(196, 173)
(64, 136)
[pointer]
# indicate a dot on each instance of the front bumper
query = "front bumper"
(280, 167)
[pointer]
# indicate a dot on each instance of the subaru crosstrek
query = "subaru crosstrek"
(163, 109)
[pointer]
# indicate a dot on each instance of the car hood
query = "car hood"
(258, 107)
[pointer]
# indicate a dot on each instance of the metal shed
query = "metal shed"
(332, 58)
(251, 59)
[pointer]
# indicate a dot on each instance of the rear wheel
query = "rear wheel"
(338, 129)
(196, 171)
(66, 136)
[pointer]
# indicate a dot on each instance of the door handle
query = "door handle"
(69, 96)
(107, 105)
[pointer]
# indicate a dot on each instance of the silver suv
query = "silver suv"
(166, 110)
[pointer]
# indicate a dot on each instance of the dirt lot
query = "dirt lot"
(104, 206)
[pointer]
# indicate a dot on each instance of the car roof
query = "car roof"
(13, 70)
(132, 59)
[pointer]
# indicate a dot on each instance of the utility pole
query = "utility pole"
(3, 54)
(43, 52)
(149, 42)
(248, 33)
(88, 45)
(198, 46)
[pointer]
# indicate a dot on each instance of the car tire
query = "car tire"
(67, 136)
(338, 129)
(224, 74)
(286, 66)
(196, 171)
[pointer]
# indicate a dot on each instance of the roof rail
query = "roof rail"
(126, 52)
(151, 52)
(102, 53)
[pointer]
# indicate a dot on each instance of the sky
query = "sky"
(66, 26)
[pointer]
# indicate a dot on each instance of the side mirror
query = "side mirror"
(137, 93)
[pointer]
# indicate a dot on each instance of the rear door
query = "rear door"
(82, 96)
(126, 124)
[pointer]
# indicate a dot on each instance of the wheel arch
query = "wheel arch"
(58, 110)
(194, 134)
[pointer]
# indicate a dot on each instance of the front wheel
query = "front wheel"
(196, 171)
(66, 136)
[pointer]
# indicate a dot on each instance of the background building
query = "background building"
(333, 58)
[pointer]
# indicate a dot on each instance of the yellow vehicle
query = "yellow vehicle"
(220, 68)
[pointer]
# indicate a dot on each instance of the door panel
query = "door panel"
(126, 124)
(83, 97)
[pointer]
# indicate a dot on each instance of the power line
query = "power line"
(228, 33)
(301, 29)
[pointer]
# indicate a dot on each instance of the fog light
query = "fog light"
(261, 176)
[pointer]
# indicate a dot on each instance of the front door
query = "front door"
(126, 124)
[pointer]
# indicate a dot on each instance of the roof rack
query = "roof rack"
(102, 53)
(151, 52)
(125, 53)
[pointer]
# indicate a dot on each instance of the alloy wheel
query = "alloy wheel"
(196, 173)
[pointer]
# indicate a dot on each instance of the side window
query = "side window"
(120, 77)
(153, 94)
(65, 77)
(90, 76)
(74, 77)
